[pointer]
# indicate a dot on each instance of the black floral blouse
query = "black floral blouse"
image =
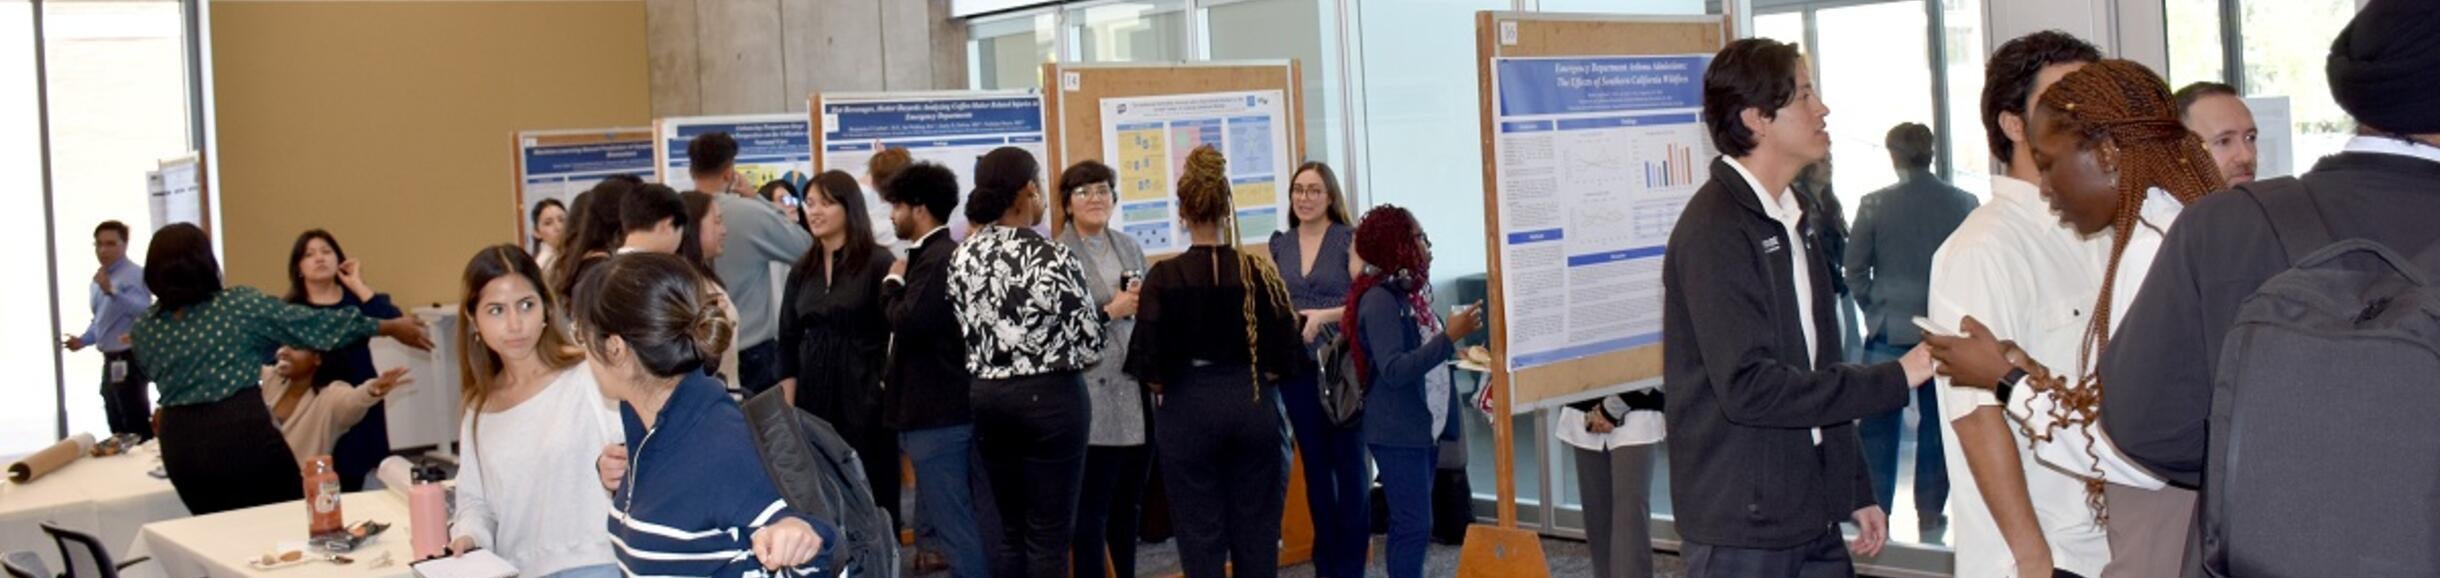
(1022, 303)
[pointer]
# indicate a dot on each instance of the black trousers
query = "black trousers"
(357, 452)
(123, 399)
(1031, 432)
(1224, 455)
(1108, 513)
(1825, 556)
(226, 455)
(878, 447)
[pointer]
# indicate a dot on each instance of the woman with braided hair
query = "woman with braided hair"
(2117, 162)
(1401, 350)
(1214, 336)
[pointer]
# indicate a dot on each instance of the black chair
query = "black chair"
(84, 554)
(25, 565)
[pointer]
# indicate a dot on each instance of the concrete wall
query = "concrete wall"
(763, 56)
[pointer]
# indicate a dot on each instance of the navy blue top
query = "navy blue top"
(696, 490)
(353, 363)
(1327, 287)
(1395, 413)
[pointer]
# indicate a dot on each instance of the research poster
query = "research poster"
(952, 129)
(562, 163)
(1595, 158)
(769, 146)
(1146, 140)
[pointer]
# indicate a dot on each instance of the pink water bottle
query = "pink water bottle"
(428, 520)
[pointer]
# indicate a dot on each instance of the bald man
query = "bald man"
(2215, 112)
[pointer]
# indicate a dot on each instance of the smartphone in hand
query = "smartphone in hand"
(1934, 328)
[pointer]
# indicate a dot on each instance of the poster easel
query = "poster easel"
(1073, 95)
(1503, 550)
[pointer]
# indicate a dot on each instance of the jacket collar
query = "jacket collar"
(695, 395)
(1740, 190)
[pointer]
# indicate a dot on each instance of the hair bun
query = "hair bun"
(1206, 162)
(711, 331)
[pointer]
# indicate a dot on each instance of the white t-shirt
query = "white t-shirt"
(526, 490)
(2015, 268)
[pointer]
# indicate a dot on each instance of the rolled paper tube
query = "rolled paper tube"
(50, 459)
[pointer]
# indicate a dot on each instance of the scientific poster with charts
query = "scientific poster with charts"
(952, 129)
(769, 146)
(1146, 140)
(560, 164)
(1595, 157)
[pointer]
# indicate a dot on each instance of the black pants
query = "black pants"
(1825, 556)
(1108, 512)
(758, 368)
(124, 399)
(226, 455)
(878, 447)
(1032, 431)
(1224, 452)
(357, 452)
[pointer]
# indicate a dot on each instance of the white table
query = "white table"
(109, 498)
(219, 545)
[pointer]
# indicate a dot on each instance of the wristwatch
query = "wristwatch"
(2007, 384)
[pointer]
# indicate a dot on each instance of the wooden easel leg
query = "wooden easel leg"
(1495, 552)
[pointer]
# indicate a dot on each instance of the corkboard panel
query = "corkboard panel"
(1074, 105)
(1535, 35)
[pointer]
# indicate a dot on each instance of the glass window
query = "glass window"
(1303, 30)
(1786, 27)
(1872, 80)
(1008, 52)
(1674, 7)
(2287, 47)
(1129, 32)
(1423, 149)
(1969, 152)
(118, 86)
(27, 419)
(2195, 53)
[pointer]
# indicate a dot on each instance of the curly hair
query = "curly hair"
(2125, 112)
(1386, 240)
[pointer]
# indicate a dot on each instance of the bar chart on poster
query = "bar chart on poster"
(1595, 158)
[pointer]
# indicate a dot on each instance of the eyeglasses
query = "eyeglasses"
(1095, 190)
(1308, 190)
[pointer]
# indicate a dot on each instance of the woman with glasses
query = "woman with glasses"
(1117, 461)
(1316, 259)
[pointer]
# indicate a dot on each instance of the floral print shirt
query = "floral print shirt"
(1022, 303)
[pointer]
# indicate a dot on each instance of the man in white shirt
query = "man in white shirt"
(2028, 278)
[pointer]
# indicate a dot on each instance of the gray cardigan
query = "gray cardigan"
(1118, 400)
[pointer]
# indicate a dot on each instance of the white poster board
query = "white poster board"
(176, 191)
(559, 164)
(1146, 140)
(2275, 149)
(1594, 157)
(952, 129)
(769, 146)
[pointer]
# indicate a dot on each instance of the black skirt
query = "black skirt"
(227, 455)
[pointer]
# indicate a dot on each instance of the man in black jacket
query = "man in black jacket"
(927, 370)
(1764, 460)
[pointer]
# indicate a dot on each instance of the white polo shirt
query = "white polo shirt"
(2027, 277)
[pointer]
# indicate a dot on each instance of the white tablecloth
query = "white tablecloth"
(109, 498)
(219, 545)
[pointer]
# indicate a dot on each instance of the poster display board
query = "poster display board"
(1595, 158)
(176, 193)
(559, 164)
(769, 146)
(1146, 139)
(952, 129)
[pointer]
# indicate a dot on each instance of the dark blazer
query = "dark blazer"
(1743, 400)
(1396, 413)
(927, 369)
(1889, 257)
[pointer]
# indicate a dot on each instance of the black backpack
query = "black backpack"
(821, 476)
(1342, 391)
(2325, 453)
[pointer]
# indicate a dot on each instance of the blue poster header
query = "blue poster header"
(931, 118)
(590, 158)
(755, 140)
(1532, 87)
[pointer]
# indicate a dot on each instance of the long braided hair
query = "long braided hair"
(2125, 112)
(1204, 197)
(1386, 240)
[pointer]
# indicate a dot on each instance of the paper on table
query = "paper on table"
(1642, 427)
(476, 564)
(50, 459)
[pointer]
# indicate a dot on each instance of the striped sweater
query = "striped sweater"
(696, 491)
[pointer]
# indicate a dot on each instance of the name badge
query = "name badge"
(1770, 245)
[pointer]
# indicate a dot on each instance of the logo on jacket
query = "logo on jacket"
(1770, 245)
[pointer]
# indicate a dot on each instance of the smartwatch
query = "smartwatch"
(2007, 384)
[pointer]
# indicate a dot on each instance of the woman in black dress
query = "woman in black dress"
(834, 336)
